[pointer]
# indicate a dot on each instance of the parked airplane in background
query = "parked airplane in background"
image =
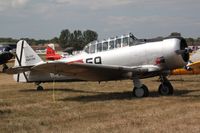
(5, 56)
(193, 66)
(124, 57)
(51, 53)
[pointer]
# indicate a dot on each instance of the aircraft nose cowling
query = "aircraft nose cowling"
(4, 57)
(185, 49)
(180, 56)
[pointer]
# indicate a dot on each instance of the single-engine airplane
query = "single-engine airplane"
(192, 68)
(124, 57)
(51, 53)
(5, 56)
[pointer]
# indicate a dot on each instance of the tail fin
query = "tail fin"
(51, 53)
(25, 55)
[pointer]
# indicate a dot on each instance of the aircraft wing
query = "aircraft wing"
(96, 72)
(194, 65)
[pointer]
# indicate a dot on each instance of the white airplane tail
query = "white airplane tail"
(25, 56)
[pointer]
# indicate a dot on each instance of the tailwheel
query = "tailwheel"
(40, 88)
(166, 88)
(141, 91)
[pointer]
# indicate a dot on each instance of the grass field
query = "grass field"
(91, 107)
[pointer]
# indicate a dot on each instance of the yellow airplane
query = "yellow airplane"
(191, 68)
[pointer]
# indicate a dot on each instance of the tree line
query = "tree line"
(190, 41)
(78, 39)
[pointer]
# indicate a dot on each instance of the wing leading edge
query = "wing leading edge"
(195, 65)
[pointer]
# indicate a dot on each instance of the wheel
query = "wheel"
(166, 89)
(141, 92)
(146, 94)
(40, 88)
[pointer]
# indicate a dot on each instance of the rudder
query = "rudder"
(25, 56)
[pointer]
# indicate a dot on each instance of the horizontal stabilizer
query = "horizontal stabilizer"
(17, 70)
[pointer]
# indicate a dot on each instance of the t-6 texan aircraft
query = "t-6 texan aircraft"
(124, 57)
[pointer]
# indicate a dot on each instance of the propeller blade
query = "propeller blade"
(184, 51)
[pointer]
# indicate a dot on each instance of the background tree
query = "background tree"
(175, 34)
(55, 40)
(190, 41)
(89, 36)
(64, 38)
(76, 39)
(10, 40)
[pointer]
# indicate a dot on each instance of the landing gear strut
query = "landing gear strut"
(165, 87)
(4, 67)
(139, 90)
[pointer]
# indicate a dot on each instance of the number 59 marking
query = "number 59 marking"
(96, 60)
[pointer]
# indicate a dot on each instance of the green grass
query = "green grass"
(92, 107)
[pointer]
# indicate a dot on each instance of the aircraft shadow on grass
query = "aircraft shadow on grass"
(61, 90)
(180, 80)
(107, 96)
(127, 95)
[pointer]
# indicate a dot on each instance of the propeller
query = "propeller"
(184, 51)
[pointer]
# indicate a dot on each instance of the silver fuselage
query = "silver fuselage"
(142, 54)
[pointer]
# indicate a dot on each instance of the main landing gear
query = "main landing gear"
(141, 90)
(165, 87)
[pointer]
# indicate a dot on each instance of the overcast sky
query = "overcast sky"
(44, 19)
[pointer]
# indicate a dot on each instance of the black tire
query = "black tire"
(146, 90)
(40, 88)
(166, 89)
(141, 92)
